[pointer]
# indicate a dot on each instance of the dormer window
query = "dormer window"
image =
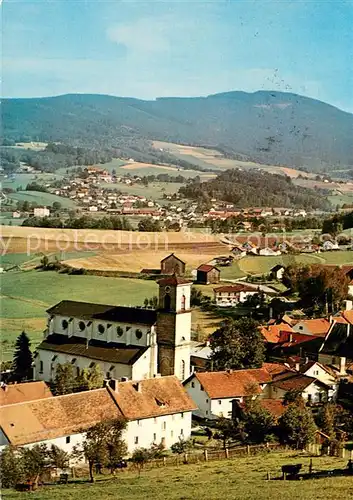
(160, 403)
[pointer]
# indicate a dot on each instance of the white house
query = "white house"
(322, 373)
(126, 342)
(156, 411)
(231, 295)
(269, 251)
(317, 327)
(214, 392)
(41, 212)
(277, 272)
(311, 389)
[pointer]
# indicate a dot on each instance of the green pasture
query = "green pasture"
(46, 199)
(242, 478)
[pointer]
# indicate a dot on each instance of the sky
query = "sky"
(156, 48)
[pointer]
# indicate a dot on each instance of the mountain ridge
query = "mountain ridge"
(267, 126)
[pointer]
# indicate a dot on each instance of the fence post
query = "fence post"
(267, 444)
(185, 458)
(248, 449)
(206, 455)
(227, 453)
(351, 454)
(73, 472)
(164, 461)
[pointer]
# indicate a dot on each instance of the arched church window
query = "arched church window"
(64, 324)
(183, 302)
(119, 331)
(101, 329)
(138, 334)
(81, 325)
(167, 302)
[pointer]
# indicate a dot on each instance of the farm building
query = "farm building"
(11, 394)
(173, 265)
(125, 342)
(207, 274)
(41, 212)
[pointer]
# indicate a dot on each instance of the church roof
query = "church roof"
(87, 310)
(111, 352)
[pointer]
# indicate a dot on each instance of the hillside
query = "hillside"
(254, 189)
(270, 127)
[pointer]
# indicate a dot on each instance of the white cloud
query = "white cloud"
(146, 35)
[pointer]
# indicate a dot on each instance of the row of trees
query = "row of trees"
(337, 223)
(83, 222)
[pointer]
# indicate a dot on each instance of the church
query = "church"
(128, 343)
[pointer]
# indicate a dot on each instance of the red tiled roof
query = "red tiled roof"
(318, 326)
(348, 316)
(58, 416)
(272, 333)
(293, 381)
(19, 393)
(227, 384)
(152, 398)
(273, 406)
(234, 289)
(206, 268)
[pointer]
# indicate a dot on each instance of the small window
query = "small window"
(193, 384)
(181, 432)
(119, 331)
(171, 433)
(81, 325)
(41, 366)
(139, 423)
(77, 371)
(206, 400)
(201, 388)
(68, 439)
(309, 398)
(219, 401)
(206, 412)
(136, 440)
(181, 415)
(155, 420)
(138, 334)
(107, 376)
(154, 437)
(64, 324)
(164, 426)
(101, 329)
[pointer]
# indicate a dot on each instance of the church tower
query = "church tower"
(174, 327)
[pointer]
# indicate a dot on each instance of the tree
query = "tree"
(35, 461)
(90, 378)
(258, 423)
(141, 456)
(297, 426)
(64, 380)
(58, 458)
(23, 359)
(145, 302)
(226, 430)
(56, 206)
(237, 344)
(103, 445)
(11, 467)
(181, 446)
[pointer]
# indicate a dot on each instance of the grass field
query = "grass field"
(243, 478)
(46, 199)
(22, 179)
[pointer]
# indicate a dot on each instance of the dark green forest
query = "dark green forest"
(254, 189)
(268, 127)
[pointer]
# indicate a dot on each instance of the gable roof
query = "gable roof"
(273, 406)
(277, 267)
(272, 333)
(317, 326)
(44, 419)
(95, 349)
(294, 381)
(152, 398)
(228, 384)
(27, 391)
(207, 268)
(104, 312)
(172, 255)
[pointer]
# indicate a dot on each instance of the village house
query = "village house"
(157, 411)
(41, 212)
(318, 327)
(125, 342)
(337, 348)
(232, 295)
(207, 274)
(199, 356)
(214, 392)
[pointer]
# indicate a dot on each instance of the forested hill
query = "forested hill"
(272, 127)
(254, 189)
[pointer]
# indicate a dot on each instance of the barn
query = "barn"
(208, 274)
(173, 265)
